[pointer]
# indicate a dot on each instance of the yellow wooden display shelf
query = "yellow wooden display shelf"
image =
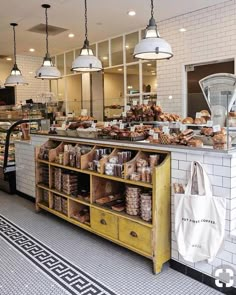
(150, 239)
(122, 214)
(91, 172)
(63, 216)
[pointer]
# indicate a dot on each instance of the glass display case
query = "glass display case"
(10, 131)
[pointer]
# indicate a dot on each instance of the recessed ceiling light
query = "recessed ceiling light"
(32, 50)
(153, 74)
(131, 13)
(9, 58)
(149, 65)
(170, 97)
(105, 58)
(30, 72)
(71, 35)
(126, 46)
(120, 70)
(182, 30)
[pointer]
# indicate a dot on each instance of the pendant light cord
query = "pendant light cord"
(152, 8)
(86, 20)
(46, 16)
(14, 38)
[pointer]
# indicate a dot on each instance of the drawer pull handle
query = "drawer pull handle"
(103, 221)
(133, 234)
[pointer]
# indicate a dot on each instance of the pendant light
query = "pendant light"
(152, 46)
(15, 77)
(86, 61)
(47, 71)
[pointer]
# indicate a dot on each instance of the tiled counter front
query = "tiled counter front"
(25, 164)
(220, 166)
(221, 169)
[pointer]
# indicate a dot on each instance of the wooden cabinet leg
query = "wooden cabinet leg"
(157, 267)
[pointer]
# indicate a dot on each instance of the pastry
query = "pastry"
(205, 113)
(195, 143)
(188, 120)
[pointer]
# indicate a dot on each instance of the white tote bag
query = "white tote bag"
(199, 218)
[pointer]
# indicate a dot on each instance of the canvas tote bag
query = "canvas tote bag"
(199, 218)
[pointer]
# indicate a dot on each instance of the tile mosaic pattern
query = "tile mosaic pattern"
(67, 275)
(123, 271)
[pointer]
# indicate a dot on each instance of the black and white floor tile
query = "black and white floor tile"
(43, 255)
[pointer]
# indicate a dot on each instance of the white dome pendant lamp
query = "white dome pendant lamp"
(86, 61)
(152, 47)
(15, 77)
(47, 71)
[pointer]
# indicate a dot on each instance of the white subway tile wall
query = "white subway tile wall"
(200, 43)
(25, 165)
(219, 170)
(28, 65)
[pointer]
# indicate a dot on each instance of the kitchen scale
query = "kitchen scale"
(219, 91)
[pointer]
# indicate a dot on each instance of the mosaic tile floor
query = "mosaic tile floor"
(73, 261)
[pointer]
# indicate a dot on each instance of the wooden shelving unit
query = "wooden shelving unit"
(150, 239)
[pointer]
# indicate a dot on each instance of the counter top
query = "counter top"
(136, 144)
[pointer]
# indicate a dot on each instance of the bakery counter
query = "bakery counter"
(220, 165)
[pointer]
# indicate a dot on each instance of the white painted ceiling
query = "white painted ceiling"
(106, 18)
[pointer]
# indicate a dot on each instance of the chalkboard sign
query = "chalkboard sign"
(7, 96)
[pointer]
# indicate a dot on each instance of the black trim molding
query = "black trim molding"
(201, 277)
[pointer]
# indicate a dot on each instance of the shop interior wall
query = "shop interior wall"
(28, 65)
(210, 36)
(6, 67)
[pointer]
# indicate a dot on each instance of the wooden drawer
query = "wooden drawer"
(135, 235)
(104, 223)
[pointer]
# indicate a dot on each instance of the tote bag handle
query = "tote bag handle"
(203, 182)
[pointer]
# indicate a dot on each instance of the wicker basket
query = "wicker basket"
(165, 139)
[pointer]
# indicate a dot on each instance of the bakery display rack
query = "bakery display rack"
(109, 191)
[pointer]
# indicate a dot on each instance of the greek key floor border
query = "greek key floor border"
(69, 276)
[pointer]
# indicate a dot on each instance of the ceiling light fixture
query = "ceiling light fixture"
(120, 70)
(149, 65)
(32, 50)
(86, 61)
(152, 46)
(15, 77)
(131, 13)
(71, 35)
(47, 71)
(182, 30)
(8, 58)
(105, 58)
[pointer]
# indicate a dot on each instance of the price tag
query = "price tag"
(122, 126)
(155, 136)
(123, 114)
(198, 115)
(151, 132)
(182, 127)
(132, 128)
(216, 128)
(145, 101)
(106, 124)
(127, 108)
(209, 123)
(135, 102)
(114, 121)
(93, 125)
(166, 130)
